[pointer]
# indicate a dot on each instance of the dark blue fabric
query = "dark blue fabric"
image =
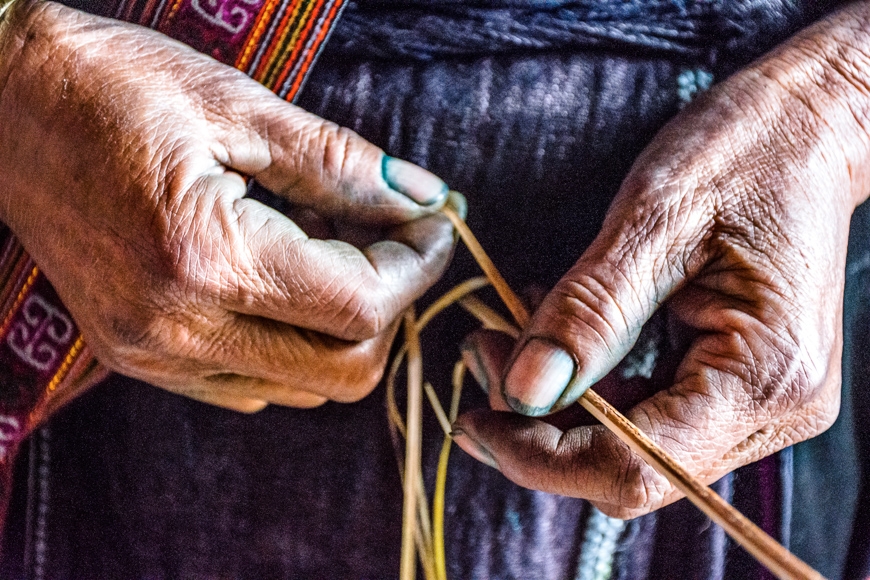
(536, 110)
(716, 33)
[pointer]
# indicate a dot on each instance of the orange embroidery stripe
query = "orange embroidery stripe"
(68, 360)
(19, 299)
(297, 43)
(176, 5)
(253, 40)
(291, 18)
(309, 58)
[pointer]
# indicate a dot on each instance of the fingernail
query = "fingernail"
(472, 360)
(413, 182)
(538, 377)
(473, 448)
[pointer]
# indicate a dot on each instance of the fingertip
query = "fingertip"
(473, 447)
(485, 353)
(417, 184)
(539, 377)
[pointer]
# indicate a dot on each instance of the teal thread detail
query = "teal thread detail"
(599, 545)
(692, 82)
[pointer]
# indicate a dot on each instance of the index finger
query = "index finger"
(327, 285)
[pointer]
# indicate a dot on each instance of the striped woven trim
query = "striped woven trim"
(287, 46)
(276, 42)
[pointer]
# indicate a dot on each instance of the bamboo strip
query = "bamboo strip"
(488, 317)
(513, 303)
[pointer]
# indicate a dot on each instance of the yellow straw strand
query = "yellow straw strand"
(393, 414)
(413, 442)
(458, 380)
(452, 296)
(490, 319)
(439, 498)
(436, 406)
(425, 549)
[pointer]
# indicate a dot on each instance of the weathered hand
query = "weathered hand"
(737, 215)
(122, 152)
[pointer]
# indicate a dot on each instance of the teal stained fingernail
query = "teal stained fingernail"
(473, 447)
(538, 377)
(459, 204)
(412, 181)
(471, 358)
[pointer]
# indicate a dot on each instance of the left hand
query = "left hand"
(738, 216)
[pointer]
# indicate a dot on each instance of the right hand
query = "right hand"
(121, 153)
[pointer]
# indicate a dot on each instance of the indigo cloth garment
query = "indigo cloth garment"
(538, 126)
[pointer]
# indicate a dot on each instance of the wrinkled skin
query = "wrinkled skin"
(737, 215)
(123, 153)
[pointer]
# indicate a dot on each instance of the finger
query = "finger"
(593, 316)
(297, 360)
(242, 393)
(225, 385)
(227, 401)
(587, 462)
(486, 354)
(330, 286)
(581, 462)
(315, 163)
(262, 359)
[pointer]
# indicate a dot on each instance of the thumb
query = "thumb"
(317, 164)
(593, 316)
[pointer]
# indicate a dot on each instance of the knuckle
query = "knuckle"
(133, 332)
(193, 272)
(589, 305)
(199, 254)
(638, 488)
(339, 146)
(787, 377)
(616, 511)
(361, 385)
(367, 364)
(364, 311)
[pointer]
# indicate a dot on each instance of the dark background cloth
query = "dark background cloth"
(133, 482)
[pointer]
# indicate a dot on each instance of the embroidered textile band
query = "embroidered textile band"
(43, 360)
(274, 41)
